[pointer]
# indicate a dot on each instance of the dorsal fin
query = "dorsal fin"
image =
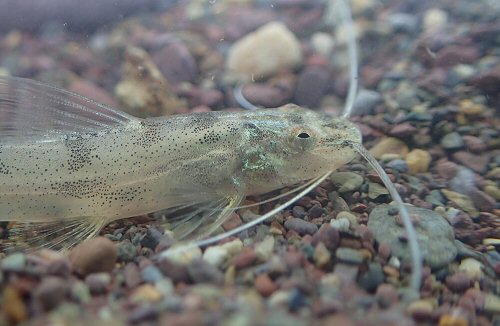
(40, 112)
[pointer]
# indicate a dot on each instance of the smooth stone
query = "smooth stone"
(151, 274)
(434, 19)
(217, 255)
(94, 255)
(51, 292)
(452, 141)
(264, 249)
(349, 255)
(322, 255)
(398, 165)
(276, 47)
(376, 190)
(300, 226)
(341, 224)
(389, 145)
(346, 181)
(14, 262)
(462, 201)
(418, 161)
(472, 268)
(373, 278)
(366, 101)
(435, 236)
(201, 271)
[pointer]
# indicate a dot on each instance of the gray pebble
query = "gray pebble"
(402, 22)
(407, 99)
(366, 101)
(126, 251)
(201, 271)
(14, 262)
(398, 165)
(452, 141)
(98, 282)
(349, 255)
(151, 274)
(346, 181)
(300, 226)
(152, 238)
(373, 278)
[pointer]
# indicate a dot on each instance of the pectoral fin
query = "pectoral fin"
(198, 220)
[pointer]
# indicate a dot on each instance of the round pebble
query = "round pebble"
(418, 161)
(93, 256)
(300, 226)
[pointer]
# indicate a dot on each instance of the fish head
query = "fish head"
(291, 144)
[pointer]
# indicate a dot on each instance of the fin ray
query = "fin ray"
(32, 109)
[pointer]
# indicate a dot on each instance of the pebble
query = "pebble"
(434, 234)
(387, 295)
(376, 190)
(472, 268)
(151, 274)
(276, 46)
(94, 255)
(434, 19)
(398, 165)
(217, 255)
(132, 275)
(401, 22)
(328, 236)
(483, 201)
(389, 145)
(14, 262)
(98, 283)
(366, 101)
(50, 292)
(264, 249)
(403, 130)
(15, 311)
(491, 303)
(146, 292)
(372, 279)
(174, 271)
(459, 282)
(340, 224)
(264, 285)
(300, 226)
(348, 255)
(322, 43)
(493, 191)
(478, 163)
(184, 256)
(462, 201)
(453, 320)
(452, 141)
(418, 161)
(421, 308)
(152, 238)
(126, 251)
(268, 95)
(353, 219)
(176, 63)
(322, 255)
(346, 181)
(312, 84)
(80, 292)
(143, 90)
(201, 271)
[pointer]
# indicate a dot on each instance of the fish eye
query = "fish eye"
(303, 135)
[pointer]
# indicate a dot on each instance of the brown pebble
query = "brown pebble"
(245, 258)
(446, 169)
(475, 162)
(453, 320)
(232, 222)
(93, 256)
(328, 235)
(384, 251)
(458, 282)
(387, 295)
(132, 275)
(50, 292)
(402, 130)
(482, 201)
(264, 285)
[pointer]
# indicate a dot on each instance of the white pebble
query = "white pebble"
(471, 267)
(434, 19)
(341, 224)
(265, 249)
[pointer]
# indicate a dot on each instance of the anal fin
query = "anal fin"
(56, 235)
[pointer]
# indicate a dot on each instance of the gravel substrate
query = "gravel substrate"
(428, 109)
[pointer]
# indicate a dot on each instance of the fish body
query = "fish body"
(87, 161)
